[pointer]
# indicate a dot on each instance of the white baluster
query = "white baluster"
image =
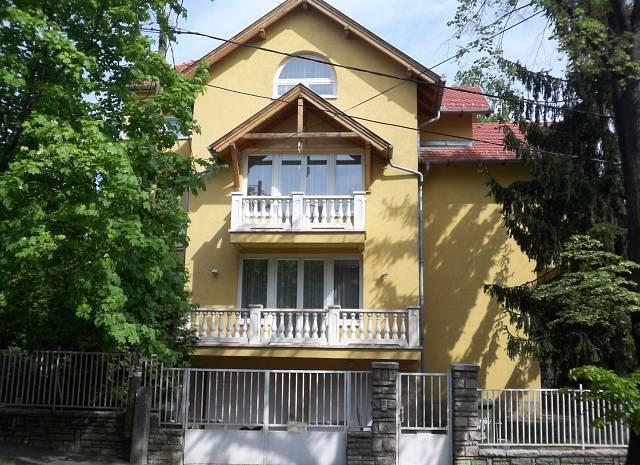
(306, 329)
(348, 218)
(272, 325)
(289, 325)
(323, 325)
(394, 328)
(263, 211)
(287, 213)
(403, 328)
(314, 326)
(299, 325)
(246, 213)
(196, 321)
(316, 213)
(220, 324)
(362, 325)
(281, 332)
(370, 325)
(324, 218)
(236, 325)
(307, 212)
(344, 331)
(255, 213)
(353, 325)
(332, 211)
(245, 325)
(205, 324)
(229, 325)
(273, 212)
(378, 326)
(340, 212)
(280, 213)
(387, 330)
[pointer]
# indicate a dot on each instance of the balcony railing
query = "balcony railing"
(333, 327)
(298, 212)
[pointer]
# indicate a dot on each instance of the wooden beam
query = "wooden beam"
(262, 33)
(305, 5)
(367, 166)
(235, 165)
(300, 115)
(347, 31)
(309, 135)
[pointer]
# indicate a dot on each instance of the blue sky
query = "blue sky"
(417, 27)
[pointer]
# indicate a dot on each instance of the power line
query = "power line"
(374, 72)
(401, 126)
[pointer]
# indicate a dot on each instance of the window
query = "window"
(319, 77)
(171, 125)
(322, 174)
(300, 282)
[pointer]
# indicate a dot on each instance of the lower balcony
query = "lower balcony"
(332, 327)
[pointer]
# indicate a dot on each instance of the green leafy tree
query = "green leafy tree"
(90, 189)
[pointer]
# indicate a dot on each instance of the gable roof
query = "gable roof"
(289, 101)
(330, 12)
(468, 99)
(487, 146)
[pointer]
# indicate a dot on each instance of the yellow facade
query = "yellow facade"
(465, 245)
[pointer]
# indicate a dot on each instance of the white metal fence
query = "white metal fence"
(264, 399)
(62, 379)
(424, 401)
(549, 417)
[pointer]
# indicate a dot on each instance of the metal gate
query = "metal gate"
(264, 417)
(423, 426)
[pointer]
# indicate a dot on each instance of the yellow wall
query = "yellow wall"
(465, 244)
(392, 201)
(448, 126)
(465, 248)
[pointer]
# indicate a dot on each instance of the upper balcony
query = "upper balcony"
(298, 212)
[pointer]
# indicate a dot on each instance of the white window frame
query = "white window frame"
(308, 81)
(276, 165)
(272, 270)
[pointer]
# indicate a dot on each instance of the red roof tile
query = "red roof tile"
(487, 145)
(184, 65)
(467, 99)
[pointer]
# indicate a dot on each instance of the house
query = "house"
(304, 253)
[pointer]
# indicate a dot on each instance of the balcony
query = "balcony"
(298, 212)
(332, 327)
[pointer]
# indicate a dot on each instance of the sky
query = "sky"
(417, 27)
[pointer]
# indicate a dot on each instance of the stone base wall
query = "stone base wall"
(91, 433)
(359, 448)
(165, 444)
(550, 455)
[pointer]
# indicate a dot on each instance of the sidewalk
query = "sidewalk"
(31, 456)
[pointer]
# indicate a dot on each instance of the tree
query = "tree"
(599, 96)
(89, 187)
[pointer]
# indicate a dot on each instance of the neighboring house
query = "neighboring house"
(304, 253)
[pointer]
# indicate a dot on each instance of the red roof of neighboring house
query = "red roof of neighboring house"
(466, 99)
(487, 145)
(184, 65)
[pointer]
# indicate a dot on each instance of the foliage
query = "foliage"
(586, 304)
(623, 391)
(90, 218)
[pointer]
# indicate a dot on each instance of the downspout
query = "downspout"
(420, 177)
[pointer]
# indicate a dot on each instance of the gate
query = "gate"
(423, 426)
(264, 417)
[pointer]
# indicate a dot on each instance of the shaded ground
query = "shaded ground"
(10, 455)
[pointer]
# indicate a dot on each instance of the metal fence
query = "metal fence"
(63, 379)
(264, 399)
(549, 417)
(424, 402)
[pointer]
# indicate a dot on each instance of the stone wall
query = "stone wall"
(91, 433)
(550, 455)
(384, 377)
(359, 448)
(165, 444)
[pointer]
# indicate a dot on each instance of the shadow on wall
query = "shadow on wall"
(466, 247)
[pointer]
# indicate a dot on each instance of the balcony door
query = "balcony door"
(300, 282)
(313, 174)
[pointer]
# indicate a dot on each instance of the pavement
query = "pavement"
(31, 456)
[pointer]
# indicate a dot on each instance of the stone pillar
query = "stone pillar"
(464, 403)
(383, 409)
(140, 430)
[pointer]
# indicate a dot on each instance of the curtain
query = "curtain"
(287, 284)
(254, 282)
(313, 284)
(346, 283)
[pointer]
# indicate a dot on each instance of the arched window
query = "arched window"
(319, 77)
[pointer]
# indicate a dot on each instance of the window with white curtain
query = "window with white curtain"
(313, 174)
(319, 77)
(301, 282)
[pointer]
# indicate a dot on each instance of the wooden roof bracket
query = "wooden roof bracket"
(235, 164)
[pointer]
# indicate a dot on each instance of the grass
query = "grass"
(7, 462)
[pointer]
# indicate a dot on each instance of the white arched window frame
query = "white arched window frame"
(319, 77)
